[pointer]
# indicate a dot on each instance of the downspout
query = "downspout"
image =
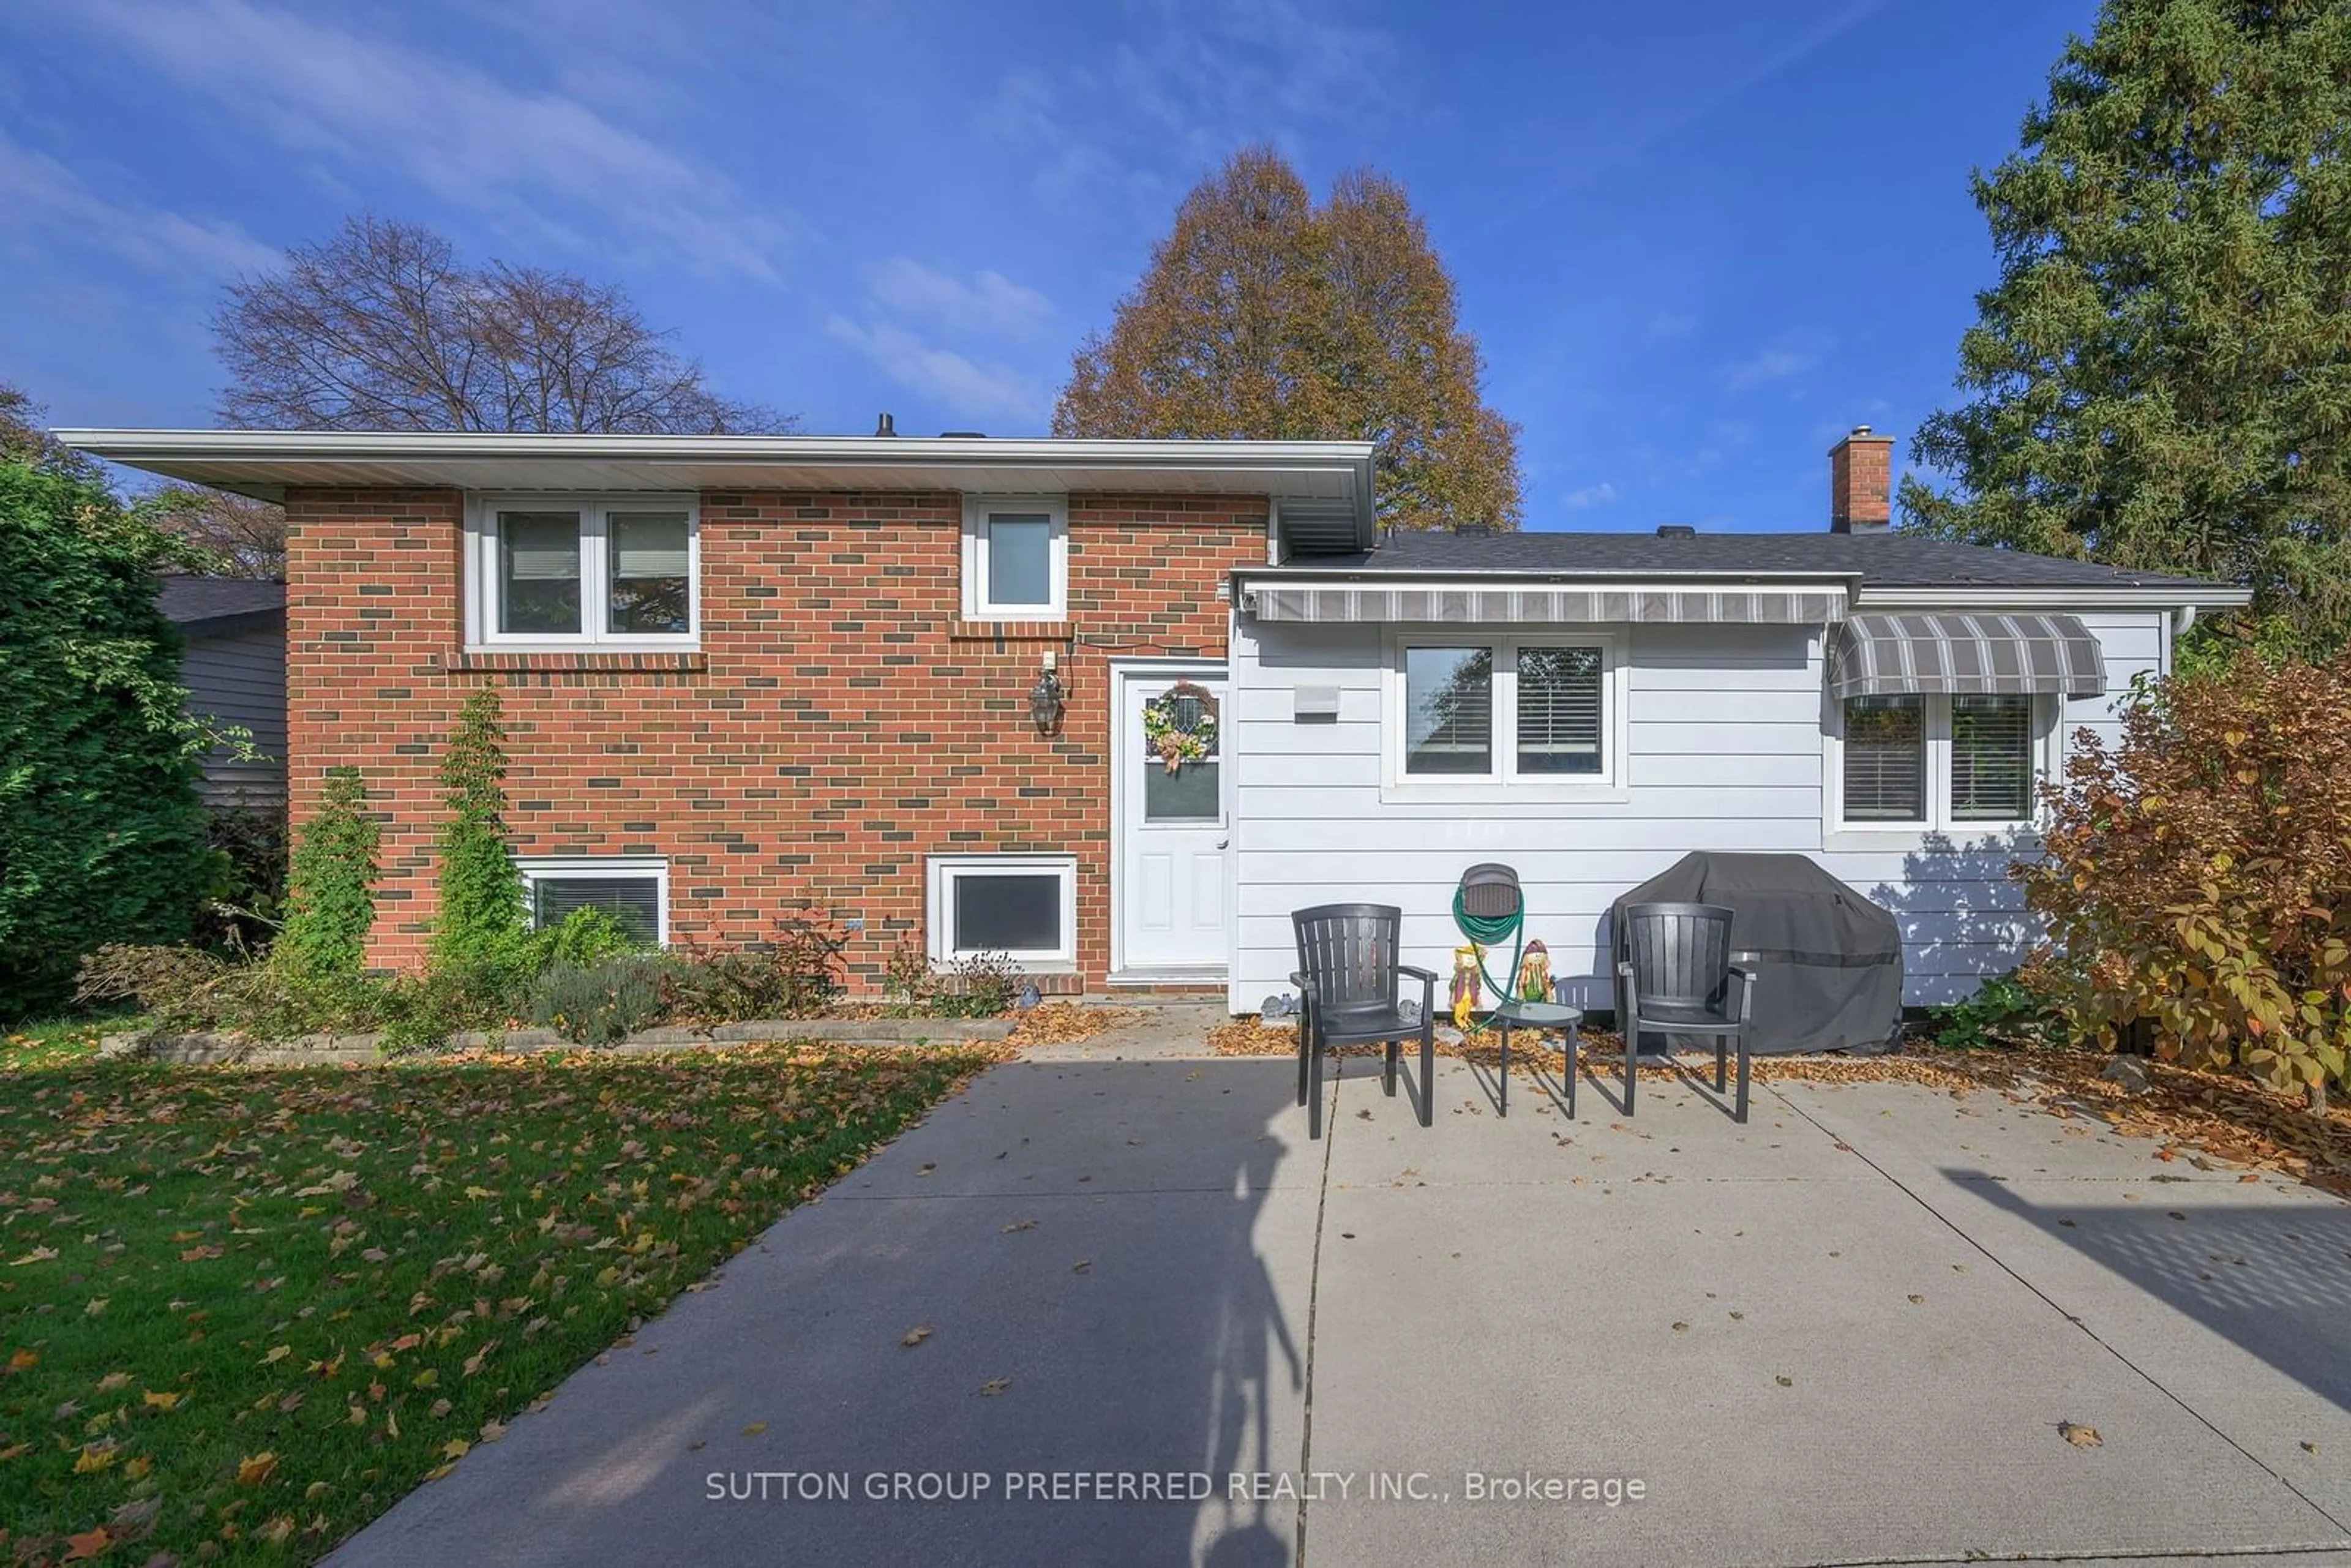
(2181, 619)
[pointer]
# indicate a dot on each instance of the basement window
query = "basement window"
(635, 891)
(1025, 906)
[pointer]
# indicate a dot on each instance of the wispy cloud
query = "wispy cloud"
(365, 103)
(1187, 85)
(990, 303)
(955, 384)
(1780, 360)
(44, 198)
(1590, 496)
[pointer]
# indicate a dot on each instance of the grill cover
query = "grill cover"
(1827, 961)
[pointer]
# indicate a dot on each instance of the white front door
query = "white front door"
(1171, 821)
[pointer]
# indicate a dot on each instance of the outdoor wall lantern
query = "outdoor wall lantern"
(1045, 697)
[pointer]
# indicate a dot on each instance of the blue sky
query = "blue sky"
(1697, 240)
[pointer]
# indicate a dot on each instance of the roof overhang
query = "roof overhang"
(265, 463)
(1861, 594)
(1545, 598)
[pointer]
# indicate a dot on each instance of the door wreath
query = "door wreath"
(1179, 725)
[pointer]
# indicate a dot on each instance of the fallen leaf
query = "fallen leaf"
(95, 1457)
(37, 1255)
(112, 1381)
(2081, 1437)
(916, 1335)
(755, 1428)
(1918, 1301)
(1786, 1382)
(89, 1544)
(256, 1468)
(1083, 1266)
(23, 1359)
(277, 1354)
(493, 1430)
(2310, 1448)
(163, 1401)
(455, 1449)
(1681, 1328)
(1019, 1225)
(994, 1386)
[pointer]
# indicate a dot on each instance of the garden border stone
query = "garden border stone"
(195, 1049)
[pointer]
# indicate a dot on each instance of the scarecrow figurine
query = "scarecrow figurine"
(1466, 982)
(1533, 982)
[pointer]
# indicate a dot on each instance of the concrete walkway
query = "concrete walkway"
(1845, 1333)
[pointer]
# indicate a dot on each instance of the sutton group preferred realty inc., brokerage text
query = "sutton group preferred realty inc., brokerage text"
(1165, 1486)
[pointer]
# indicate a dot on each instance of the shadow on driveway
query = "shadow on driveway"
(2271, 1279)
(1089, 1246)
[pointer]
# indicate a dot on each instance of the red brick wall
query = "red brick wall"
(1861, 483)
(838, 725)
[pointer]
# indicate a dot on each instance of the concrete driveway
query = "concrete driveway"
(1846, 1333)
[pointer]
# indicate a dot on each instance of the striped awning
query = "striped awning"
(1881, 655)
(1547, 606)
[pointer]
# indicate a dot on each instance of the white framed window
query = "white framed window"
(1477, 715)
(1025, 906)
(633, 889)
(1016, 558)
(552, 572)
(1927, 762)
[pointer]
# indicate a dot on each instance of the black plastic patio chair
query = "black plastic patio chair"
(1348, 980)
(1676, 977)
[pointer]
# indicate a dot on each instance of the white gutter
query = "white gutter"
(132, 446)
(2042, 596)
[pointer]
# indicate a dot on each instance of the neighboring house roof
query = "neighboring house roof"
(1319, 476)
(209, 606)
(1881, 565)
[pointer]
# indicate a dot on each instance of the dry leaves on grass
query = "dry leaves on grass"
(1065, 1023)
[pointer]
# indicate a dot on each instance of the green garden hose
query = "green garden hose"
(1490, 931)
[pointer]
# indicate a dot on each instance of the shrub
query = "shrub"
(980, 985)
(793, 975)
(245, 901)
(331, 901)
(906, 978)
(2195, 875)
(479, 926)
(184, 987)
(2005, 1011)
(583, 937)
(102, 836)
(601, 1002)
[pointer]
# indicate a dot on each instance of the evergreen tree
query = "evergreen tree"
(102, 836)
(2161, 377)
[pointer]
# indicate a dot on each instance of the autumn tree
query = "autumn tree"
(383, 327)
(1264, 316)
(236, 536)
(2161, 377)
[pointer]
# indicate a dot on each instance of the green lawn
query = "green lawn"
(244, 1310)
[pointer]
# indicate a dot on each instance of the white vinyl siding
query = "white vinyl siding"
(1724, 750)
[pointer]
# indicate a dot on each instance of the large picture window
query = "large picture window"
(1507, 713)
(1926, 760)
(581, 571)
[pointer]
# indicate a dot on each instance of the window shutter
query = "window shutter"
(1558, 710)
(1885, 759)
(1991, 759)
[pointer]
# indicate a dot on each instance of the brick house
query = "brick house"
(812, 676)
(806, 668)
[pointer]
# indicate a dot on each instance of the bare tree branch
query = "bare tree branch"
(381, 328)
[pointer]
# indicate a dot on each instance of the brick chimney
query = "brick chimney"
(1861, 483)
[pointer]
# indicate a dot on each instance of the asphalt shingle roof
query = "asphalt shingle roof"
(194, 601)
(1889, 559)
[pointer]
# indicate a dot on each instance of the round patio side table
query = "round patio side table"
(1538, 1017)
